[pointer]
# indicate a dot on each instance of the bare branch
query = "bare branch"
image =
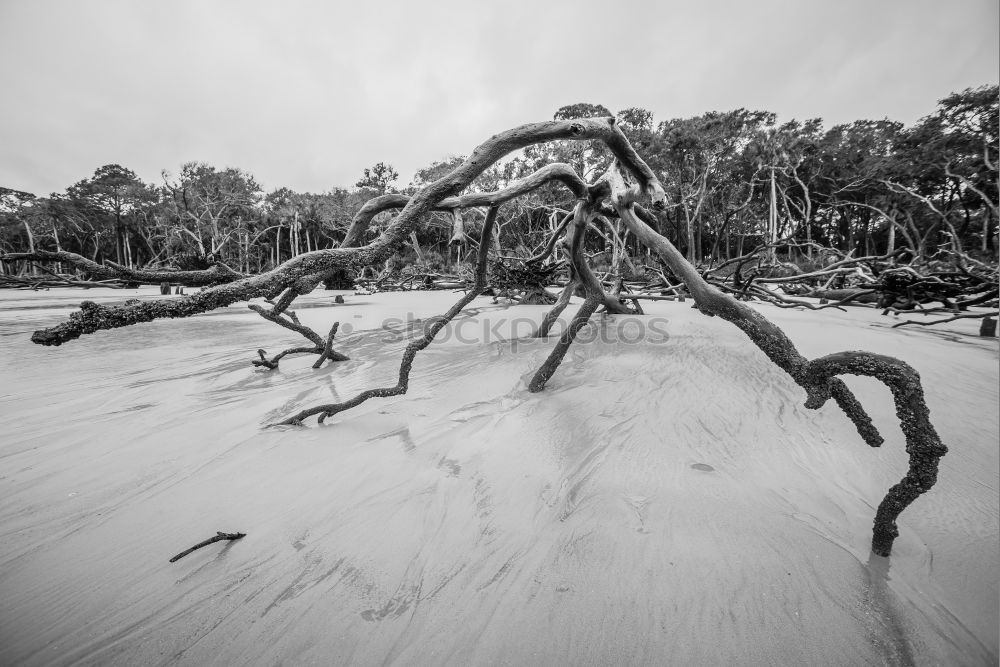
(403, 382)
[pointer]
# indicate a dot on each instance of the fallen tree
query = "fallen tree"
(216, 274)
(615, 193)
(898, 282)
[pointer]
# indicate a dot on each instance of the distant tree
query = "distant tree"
(947, 163)
(379, 178)
(12, 218)
(581, 110)
(117, 191)
(212, 207)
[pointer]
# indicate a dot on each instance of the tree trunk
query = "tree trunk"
(55, 235)
(277, 247)
(772, 220)
(31, 246)
(809, 250)
(416, 247)
(690, 235)
(118, 235)
(986, 232)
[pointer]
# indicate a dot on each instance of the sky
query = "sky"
(306, 95)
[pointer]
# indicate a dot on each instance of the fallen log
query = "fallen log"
(215, 275)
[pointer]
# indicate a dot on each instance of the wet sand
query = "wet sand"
(666, 501)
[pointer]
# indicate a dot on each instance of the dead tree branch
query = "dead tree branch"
(219, 537)
(438, 323)
(283, 317)
(219, 273)
(963, 316)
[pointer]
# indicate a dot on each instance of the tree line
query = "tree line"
(734, 181)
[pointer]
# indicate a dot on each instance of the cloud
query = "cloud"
(307, 94)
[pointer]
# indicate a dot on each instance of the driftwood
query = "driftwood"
(215, 275)
(56, 280)
(964, 316)
(280, 315)
(628, 178)
(219, 537)
(957, 282)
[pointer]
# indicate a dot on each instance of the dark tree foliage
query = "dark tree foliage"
(734, 181)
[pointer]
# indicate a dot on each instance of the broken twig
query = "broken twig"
(218, 538)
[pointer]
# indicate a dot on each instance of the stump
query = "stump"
(165, 288)
(988, 328)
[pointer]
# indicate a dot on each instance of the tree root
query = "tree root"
(922, 442)
(219, 537)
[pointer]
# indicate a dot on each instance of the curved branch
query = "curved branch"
(922, 442)
(558, 171)
(308, 266)
(290, 324)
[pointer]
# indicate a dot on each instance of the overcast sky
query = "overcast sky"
(307, 94)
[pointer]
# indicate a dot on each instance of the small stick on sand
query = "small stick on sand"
(218, 538)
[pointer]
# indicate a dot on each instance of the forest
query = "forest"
(735, 181)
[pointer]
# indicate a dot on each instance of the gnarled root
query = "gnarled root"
(922, 442)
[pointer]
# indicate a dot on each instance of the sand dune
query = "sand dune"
(666, 501)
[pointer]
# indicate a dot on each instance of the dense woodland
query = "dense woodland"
(734, 181)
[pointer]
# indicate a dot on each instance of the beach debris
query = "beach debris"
(219, 537)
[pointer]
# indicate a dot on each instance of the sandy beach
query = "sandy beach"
(666, 500)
